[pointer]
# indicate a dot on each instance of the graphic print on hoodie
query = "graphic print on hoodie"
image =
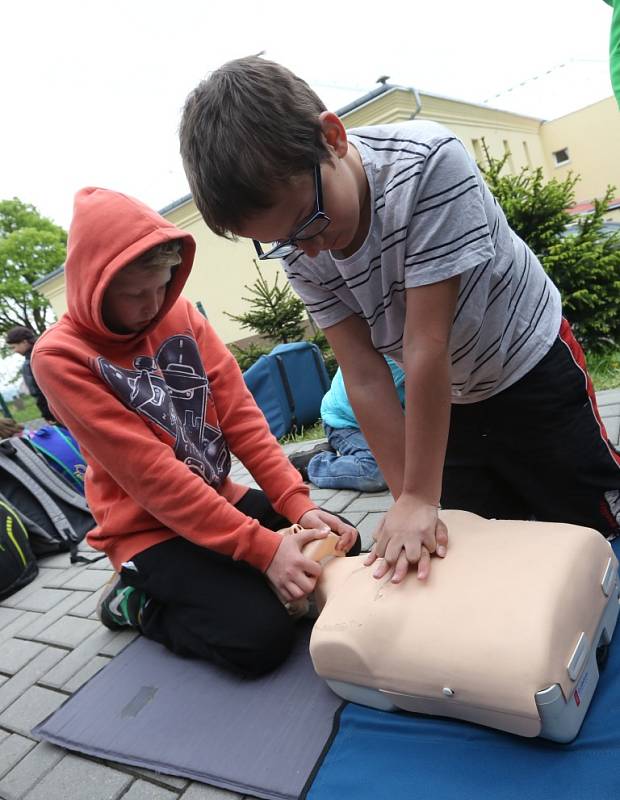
(158, 411)
(172, 390)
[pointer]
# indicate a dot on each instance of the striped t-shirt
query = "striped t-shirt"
(433, 217)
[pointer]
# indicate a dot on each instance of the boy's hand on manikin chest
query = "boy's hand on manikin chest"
(408, 535)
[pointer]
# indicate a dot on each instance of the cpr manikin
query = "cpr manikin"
(505, 632)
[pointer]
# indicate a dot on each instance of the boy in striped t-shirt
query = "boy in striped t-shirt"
(396, 246)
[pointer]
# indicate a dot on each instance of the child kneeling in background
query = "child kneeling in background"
(345, 461)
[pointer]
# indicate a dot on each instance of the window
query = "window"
(561, 157)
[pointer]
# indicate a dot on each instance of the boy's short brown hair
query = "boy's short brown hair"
(251, 125)
(20, 334)
(166, 254)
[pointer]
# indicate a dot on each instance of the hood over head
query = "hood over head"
(108, 231)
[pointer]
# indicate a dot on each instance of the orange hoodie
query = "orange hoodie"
(156, 413)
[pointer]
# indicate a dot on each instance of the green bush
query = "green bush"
(248, 356)
(25, 409)
(535, 210)
(585, 266)
(320, 340)
(278, 317)
(604, 369)
(275, 311)
(586, 269)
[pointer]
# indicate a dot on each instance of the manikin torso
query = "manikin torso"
(496, 622)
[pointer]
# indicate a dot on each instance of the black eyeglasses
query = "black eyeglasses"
(315, 224)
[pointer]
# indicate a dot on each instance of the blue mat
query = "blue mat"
(377, 754)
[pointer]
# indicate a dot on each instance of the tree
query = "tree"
(31, 246)
(584, 263)
(278, 316)
(535, 210)
(249, 355)
(585, 266)
(276, 313)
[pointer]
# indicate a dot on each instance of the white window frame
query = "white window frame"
(565, 161)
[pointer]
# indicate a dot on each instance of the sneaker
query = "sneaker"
(302, 458)
(120, 606)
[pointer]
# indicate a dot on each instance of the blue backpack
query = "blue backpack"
(62, 453)
(288, 385)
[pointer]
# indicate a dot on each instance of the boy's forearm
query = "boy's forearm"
(382, 422)
(427, 422)
(373, 396)
(428, 377)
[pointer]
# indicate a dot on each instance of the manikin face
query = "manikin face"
(134, 297)
(345, 193)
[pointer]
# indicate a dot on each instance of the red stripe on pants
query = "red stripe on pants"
(575, 349)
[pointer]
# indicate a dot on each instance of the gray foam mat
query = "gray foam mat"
(150, 708)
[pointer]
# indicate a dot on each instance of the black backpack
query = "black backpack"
(18, 566)
(56, 516)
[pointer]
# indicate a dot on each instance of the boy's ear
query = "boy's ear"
(334, 133)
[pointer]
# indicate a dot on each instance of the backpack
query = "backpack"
(18, 565)
(288, 385)
(62, 453)
(57, 517)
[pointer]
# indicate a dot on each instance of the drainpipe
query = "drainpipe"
(418, 102)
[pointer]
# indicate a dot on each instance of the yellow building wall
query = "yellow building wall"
(592, 137)
(54, 291)
(500, 130)
(222, 269)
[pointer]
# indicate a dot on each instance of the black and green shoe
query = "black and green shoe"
(120, 606)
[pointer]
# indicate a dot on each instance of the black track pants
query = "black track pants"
(537, 450)
(206, 605)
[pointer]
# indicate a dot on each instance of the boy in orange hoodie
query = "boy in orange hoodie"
(158, 404)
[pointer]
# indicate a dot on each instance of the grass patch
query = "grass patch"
(604, 369)
(24, 409)
(316, 431)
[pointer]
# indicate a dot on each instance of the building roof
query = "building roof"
(366, 98)
(587, 207)
(384, 88)
(49, 276)
(390, 87)
(175, 204)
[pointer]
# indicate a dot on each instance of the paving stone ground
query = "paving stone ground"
(51, 643)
